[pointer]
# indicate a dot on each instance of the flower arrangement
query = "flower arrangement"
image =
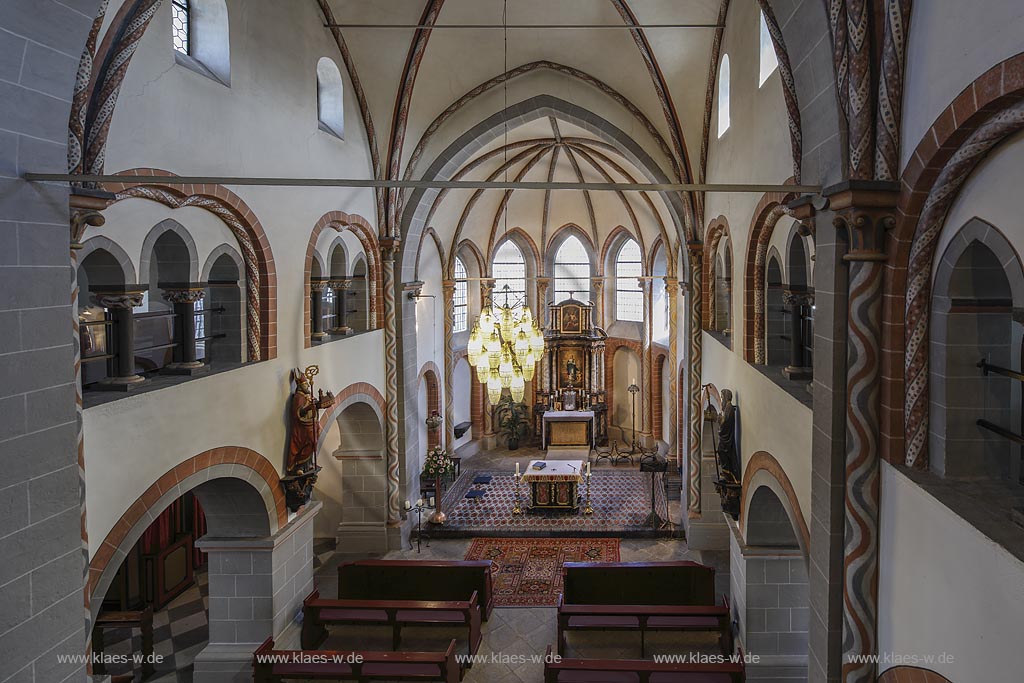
(438, 463)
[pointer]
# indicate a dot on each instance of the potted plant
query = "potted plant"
(513, 421)
(438, 465)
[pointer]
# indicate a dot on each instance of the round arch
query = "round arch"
(240, 491)
(763, 470)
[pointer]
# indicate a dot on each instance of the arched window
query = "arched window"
(181, 26)
(629, 297)
(768, 59)
(572, 269)
(330, 97)
(723, 96)
(200, 35)
(460, 296)
(510, 269)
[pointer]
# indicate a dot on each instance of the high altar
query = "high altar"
(570, 408)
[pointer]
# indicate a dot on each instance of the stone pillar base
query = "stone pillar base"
(340, 331)
(318, 336)
(190, 369)
(710, 531)
(797, 374)
(129, 383)
(362, 539)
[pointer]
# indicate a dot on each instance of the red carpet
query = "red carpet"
(528, 571)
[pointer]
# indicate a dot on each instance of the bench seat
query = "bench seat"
(272, 666)
(417, 580)
(639, 671)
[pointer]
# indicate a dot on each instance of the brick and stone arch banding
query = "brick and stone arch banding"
(717, 230)
(769, 210)
(762, 469)
(360, 227)
(983, 115)
(357, 392)
(260, 271)
(225, 462)
(911, 674)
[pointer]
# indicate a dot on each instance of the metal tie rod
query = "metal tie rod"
(513, 27)
(419, 184)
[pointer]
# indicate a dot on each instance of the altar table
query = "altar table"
(568, 428)
(556, 487)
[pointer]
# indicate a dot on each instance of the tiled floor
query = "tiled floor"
(180, 631)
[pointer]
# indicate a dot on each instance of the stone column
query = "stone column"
(646, 364)
(389, 247)
(448, 297)
(797, 368)
(598, 286)
(542, 299)
(866, 210)
(257, 586)
(341, 289)
(317, 286)
(183, 296)
(671, 292)
(121, 301)
(696, 252)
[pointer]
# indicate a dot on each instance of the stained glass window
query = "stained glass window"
(572, 270)
(460, 296)
(181, 26)
(629, 297)
(510, 269)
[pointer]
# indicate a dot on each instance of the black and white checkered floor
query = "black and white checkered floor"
(180, 631)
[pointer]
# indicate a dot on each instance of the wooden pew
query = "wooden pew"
(639, 671)
(654, 596)
(318, 613)
(442, 581)
(140, 619)
(273, 666)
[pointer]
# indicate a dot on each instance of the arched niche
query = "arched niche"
(224, 274)
(979, 284)
(776, 344)
(330, 97)
(168, 255)
(626, 370)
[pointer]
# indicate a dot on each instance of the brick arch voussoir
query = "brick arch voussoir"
(144, 504)
(930, 183)
(360, 227)
(767, 214)
(762, 461)
(717, 229)
(257, 256)
(357, 390)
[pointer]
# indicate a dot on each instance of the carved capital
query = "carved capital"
(184, 295)
(120, 298)
(803, 209)
(866, 210)
(389, 247)
(598, 285)
(695, 248)
(86, 205)
(82, 219)
(801, 297)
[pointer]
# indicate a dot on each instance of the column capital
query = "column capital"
(319, 284)
(803, 209)
(183, 292)
(448, 285)
(798, 297)
(125, 297)
(671, 283)
(695, 248)
(389, 247)
(866, 209)
(597, 284)
(86, 206)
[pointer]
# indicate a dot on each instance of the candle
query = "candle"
(408, 505)
(419, 502)
(517, 469)
(431, 501)
(588, 469)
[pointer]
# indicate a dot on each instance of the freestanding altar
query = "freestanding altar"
(555, 485)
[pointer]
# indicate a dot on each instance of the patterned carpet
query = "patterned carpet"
(621, 501)
(529, 571)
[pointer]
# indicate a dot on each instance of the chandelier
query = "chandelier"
(505, 346)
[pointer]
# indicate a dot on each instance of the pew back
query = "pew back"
(645, 583)
(417, 580)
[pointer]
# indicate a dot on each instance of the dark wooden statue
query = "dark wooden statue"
(728, 484)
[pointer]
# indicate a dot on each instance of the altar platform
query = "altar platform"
(621, 500)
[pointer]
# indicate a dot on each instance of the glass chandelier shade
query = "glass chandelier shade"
(505, 346)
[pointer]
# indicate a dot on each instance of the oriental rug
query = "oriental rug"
(528, 571)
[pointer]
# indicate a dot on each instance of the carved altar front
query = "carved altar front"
(572, 370)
